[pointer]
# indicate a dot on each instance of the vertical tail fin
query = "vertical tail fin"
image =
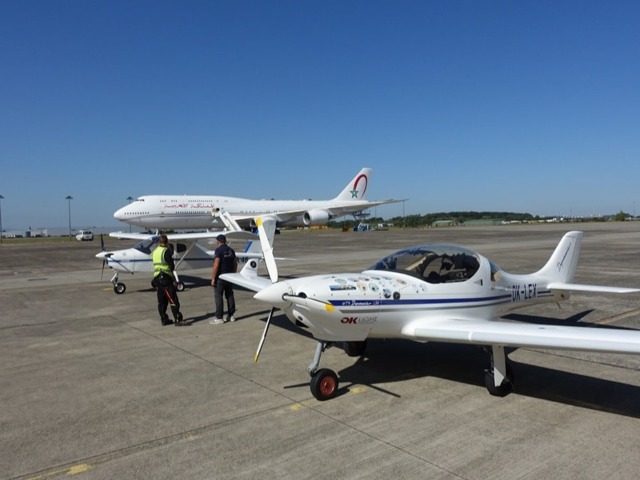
(561, 267)
(356, 189)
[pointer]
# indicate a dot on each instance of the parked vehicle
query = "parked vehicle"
(84, 235)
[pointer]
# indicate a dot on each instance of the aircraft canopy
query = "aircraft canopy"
(432, 263)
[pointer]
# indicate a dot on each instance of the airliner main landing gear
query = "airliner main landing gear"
(498, 378)
(324, 382)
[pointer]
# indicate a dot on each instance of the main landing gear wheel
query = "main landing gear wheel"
(324, 384)
(180, 286)
(119, 288)
(504, 389)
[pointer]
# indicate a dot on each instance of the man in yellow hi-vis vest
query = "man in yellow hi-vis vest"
(163, 281)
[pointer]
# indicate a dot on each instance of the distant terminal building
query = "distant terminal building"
(484, 222)
(31, 233)
(444, 223)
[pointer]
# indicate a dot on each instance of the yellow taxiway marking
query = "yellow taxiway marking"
(297, 406)
(622, 316)
(68, 471)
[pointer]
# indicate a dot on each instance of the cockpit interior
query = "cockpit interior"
(432, 263)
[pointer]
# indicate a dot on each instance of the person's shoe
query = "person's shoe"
(166, 321)
(216, 321)
(231, 318)
(181, 323)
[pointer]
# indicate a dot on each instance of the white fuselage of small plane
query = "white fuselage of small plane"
(381, 304)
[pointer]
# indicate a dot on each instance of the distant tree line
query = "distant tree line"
(429, 218)
(460, 218)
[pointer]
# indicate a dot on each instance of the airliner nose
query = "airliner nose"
(119, 215)
(273, 294)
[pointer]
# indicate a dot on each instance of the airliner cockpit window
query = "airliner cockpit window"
(432, 263)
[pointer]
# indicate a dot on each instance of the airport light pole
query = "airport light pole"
(68, 198)
(1, 231)
(129, 199)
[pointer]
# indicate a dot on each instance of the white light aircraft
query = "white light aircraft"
(188, 253)
(195, 211)
(439, 293)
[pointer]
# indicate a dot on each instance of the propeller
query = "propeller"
(104, 258)
(272, 268)
(267, 249)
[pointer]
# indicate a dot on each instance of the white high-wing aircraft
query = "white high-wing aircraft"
(195, 211)
(438, 293)
(188, 253)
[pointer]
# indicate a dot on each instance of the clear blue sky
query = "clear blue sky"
(527, 106)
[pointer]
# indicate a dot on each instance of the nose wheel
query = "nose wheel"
(118, 288)
(324, 382)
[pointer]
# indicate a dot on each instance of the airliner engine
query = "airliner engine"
(315, 217)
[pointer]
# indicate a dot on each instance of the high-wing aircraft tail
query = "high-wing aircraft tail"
(356, 189)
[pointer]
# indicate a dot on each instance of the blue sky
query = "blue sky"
(527, 106)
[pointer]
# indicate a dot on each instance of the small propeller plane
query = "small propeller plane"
(188, 253)
(441, 293)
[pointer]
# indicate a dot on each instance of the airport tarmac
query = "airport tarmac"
(92, 386)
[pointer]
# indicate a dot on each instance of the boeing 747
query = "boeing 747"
(197, 211)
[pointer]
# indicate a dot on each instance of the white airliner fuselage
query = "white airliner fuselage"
(195, 211)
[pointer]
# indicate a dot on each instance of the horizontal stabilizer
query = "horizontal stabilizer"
(253, 283)
(576, 287)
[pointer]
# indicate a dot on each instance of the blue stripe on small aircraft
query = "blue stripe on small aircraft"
(423, 301)
(428, 301)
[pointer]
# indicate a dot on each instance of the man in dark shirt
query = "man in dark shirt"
(224, 261)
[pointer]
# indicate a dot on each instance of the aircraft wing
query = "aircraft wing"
(234, 235)
(495, 332)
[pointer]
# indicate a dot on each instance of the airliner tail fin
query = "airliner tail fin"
(356, 189)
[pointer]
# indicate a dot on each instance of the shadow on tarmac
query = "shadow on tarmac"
(392, 360)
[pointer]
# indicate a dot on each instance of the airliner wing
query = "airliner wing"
(494, 332)
(335, 209)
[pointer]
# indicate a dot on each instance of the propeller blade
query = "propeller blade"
(264, 334)
(267, 251)
(104, 259)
